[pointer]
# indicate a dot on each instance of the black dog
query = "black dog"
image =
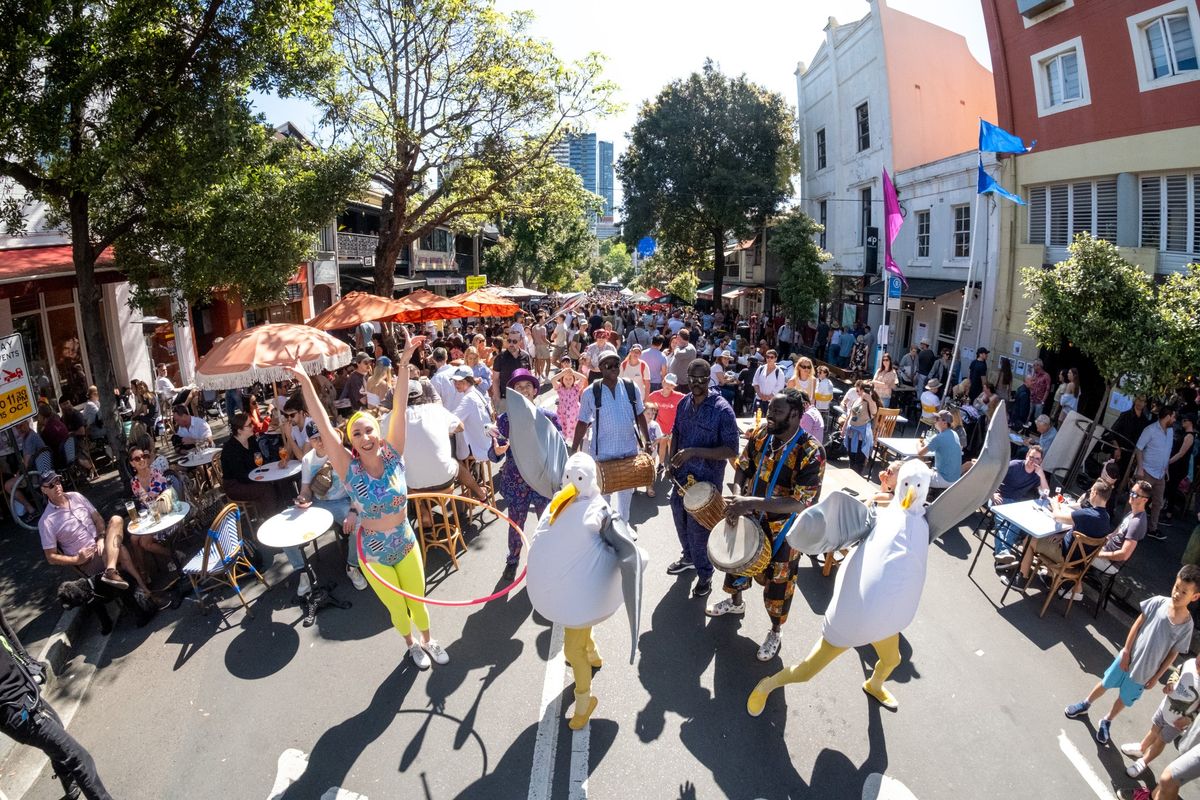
(93, 594)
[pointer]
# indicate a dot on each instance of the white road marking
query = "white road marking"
(541, 775)
(581, 744)
(883, 787)
(291, 765)
(1077, 759)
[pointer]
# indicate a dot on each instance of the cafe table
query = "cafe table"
(300, 527)
(1032, 518)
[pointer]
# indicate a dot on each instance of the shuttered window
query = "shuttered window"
(1081, 209)
(1037, 215)
(1059, 212)
(1106, 211)
(1060, 215)
(1176, 209)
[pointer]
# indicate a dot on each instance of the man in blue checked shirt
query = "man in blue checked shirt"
(704, 438)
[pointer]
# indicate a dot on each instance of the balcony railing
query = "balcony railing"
(356, 245)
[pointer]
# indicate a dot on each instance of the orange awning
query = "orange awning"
(425, 306)
(486, 304)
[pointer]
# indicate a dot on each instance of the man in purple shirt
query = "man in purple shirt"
(703, 439)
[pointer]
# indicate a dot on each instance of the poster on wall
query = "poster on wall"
(1017, 347)
(922, 332)
(16, 393)
(1120, 402)
(1019, 368)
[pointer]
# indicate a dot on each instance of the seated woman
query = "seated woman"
(147, 483)
(887, 484)
(237, 462)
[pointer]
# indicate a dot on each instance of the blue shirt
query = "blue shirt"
(1155, 444)
(947, 455)
(1017, 482)
(617, 420)
(712, 424)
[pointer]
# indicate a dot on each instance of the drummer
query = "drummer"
(618, 421)
(778, 475)
(704, 437)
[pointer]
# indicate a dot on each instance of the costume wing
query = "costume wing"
(837, 521)
(535, 445)
(973, 489)
(631, 560)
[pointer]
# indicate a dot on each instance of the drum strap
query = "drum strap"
(771, 486)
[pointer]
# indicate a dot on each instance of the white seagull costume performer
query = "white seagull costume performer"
(582, 566)
(878, 588)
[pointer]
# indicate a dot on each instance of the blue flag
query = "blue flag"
(997, 140)
(988, 185)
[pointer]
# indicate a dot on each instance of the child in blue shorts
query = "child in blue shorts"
(1160, 633)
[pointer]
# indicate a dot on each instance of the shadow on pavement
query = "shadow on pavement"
(334, 753)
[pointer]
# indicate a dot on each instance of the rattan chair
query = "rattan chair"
(222, 558)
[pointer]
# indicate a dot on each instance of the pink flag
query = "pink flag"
(892, 222)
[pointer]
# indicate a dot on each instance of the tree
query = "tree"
(131, 121)
(710, 157)
(612, 262)
(672, 269)
(455, 106)
(550, 247)
(1171, 354)
(802, 282)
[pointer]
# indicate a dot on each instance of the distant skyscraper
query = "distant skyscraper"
(606, 179)
(592, 161)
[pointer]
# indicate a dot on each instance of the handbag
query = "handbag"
(165, 502)
(322, 482)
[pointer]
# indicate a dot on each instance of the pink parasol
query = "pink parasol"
(425, 306)
(263, 352)
(353, 309)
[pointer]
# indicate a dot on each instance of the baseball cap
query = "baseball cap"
(671, 379)
(360, 357)
(48, 477)
(637, 347)
(414, 388)
(607, 355)
(463, 374)
(384, 361)
(311, 429)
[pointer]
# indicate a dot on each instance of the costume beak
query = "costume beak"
(909, 496)
(562, 500)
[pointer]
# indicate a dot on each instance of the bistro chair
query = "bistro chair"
(443, 530)
(1071, 569)
(885, 426)
(222, 558)
(1104, 580)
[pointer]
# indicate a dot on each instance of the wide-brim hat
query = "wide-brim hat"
(933, 383)
(523, 375)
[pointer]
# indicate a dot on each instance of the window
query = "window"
(821, 163)
(1060, 78)
(823, 218)
(862, 116)
(1164, 44)
(962, 231)
(1170, 218)
(922, 234)
(436, 242)
(865, 197)
(1060, 211)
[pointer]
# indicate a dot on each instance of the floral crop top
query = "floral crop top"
(378, 497)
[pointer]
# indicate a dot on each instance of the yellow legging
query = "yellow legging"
(887, 649)
(409, 575)
(579, 648)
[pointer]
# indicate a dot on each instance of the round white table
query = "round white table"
(200, 457)
(146, 526)
(298, 527)
(274, 472)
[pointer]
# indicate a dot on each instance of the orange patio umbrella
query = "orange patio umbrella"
(425, 306)
(354, 309)
(486, 304)
(261, 353)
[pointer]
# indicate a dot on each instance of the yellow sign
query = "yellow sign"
(15, 406)
(476, 282)
(16, 393)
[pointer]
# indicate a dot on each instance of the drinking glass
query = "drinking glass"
(258, 459)
(131, 511)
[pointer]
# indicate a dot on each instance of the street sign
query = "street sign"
(871, 252)
(894, 286)
(646, 247)
(16, 392)
(476, 282)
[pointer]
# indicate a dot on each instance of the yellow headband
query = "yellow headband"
(355, 418)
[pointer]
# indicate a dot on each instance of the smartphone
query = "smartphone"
(501, 441)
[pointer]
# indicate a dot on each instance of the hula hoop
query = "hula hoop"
(363, 561)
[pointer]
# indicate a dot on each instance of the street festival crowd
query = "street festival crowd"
(686, 390)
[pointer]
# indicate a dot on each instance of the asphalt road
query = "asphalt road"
(209, 706)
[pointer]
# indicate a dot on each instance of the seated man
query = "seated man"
(77, 446)
(36, 457)
(73, 534)
(1045, 433)
(189, 431)
(1121, 543)
(947, 452)
(1020, 479)
(1091, 520)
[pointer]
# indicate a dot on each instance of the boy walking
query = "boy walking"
(1161, 632)
(1174, 716)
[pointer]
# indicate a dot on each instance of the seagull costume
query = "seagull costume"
(879, 586)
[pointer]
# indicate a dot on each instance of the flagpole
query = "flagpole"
(962, 314)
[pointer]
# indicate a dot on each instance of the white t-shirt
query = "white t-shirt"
(769, 383)
(298, 434)
(428, 450)
(475, 415)
(639, 373)
(310, 465)
(716, 376)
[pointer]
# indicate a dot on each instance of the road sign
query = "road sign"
(16, 392)
(894, 286)
(646, 247)
(476, 282)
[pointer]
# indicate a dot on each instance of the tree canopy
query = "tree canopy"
(612, 262)
(802, 282)
(710, 157)
(131, 122)
(456, 107)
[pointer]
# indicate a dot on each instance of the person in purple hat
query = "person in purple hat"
(519, 495)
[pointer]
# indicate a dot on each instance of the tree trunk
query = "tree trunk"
(718, 266)
(84, 257)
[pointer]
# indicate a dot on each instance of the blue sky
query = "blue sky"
(649, 43)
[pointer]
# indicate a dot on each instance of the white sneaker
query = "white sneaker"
(1066, 594)
(726, 606)
(770, 647)
(1136, 768)
(305, 585)
(356, 577)
(1133, 749)
(436, 652)
(418, 655)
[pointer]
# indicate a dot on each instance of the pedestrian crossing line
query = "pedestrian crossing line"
(541, 774)
(581, 745)
(882, 787)
(291, 765)
(1083, 767)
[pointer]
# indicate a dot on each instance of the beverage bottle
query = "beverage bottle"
(1058, 495)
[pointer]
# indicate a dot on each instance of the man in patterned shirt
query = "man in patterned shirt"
(784, 455)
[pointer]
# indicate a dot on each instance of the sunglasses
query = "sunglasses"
(1135, 494)
(136, 459)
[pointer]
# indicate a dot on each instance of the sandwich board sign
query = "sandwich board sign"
(16, 393)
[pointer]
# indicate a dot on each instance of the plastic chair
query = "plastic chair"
(222, 558)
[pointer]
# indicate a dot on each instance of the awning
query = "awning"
(920, 288)
(26, 270)
(705, 293)
(733, 294)
(400, 284)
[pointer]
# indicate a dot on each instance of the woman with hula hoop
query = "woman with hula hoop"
(372, 470)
